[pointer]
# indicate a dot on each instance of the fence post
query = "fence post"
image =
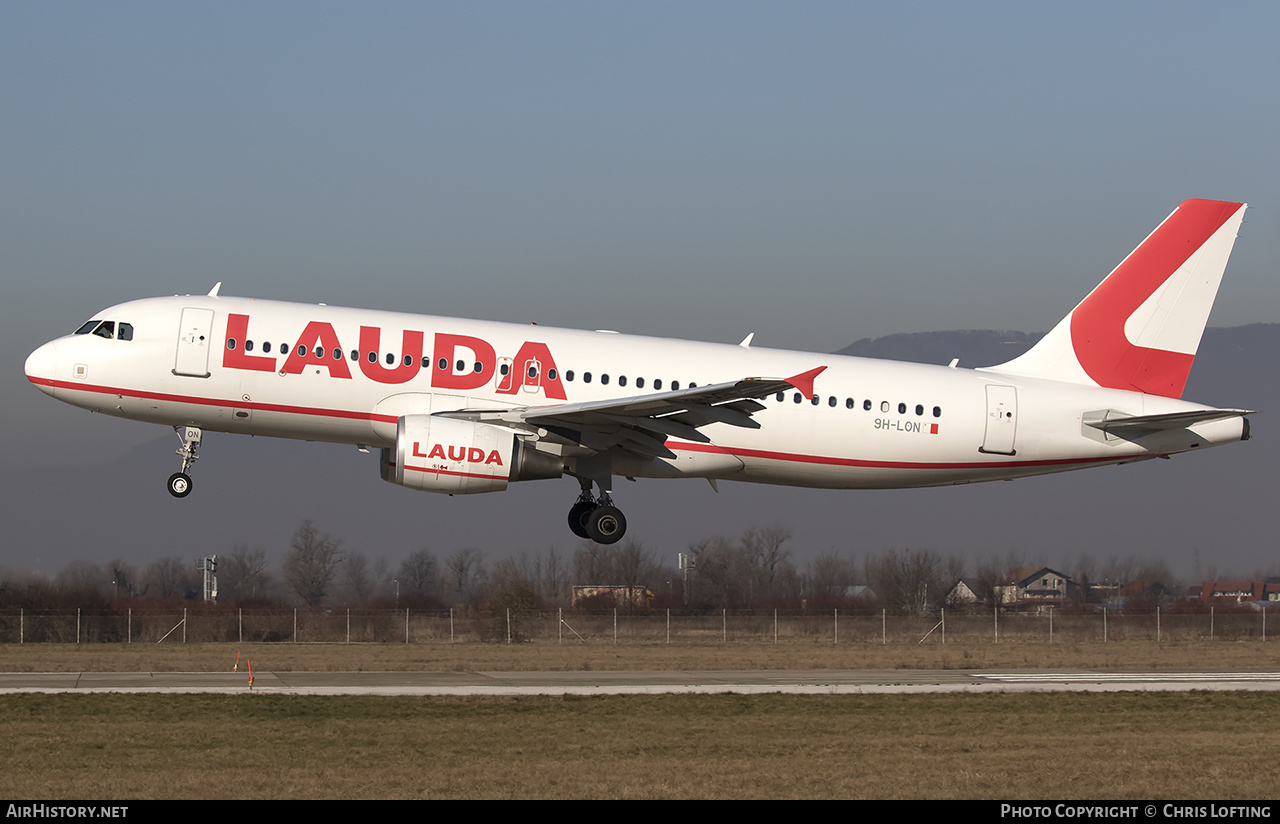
(1157, 624)
(348, 625)
(835, 625)
(560, 625)
(1050, 625)
(295, 625)
(184, 625)
(884, 626)
(775, 626)
(406, 632)
(668, 625)
(942, 612)
(724, 625)
(1210, 623)
(406, 624)
(77, 625)
(22, 626)
(1104, 622)
(240, 623)
(615, 622)
(995, 621)
(128, 632)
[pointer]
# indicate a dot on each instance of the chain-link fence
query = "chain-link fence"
(212, 624)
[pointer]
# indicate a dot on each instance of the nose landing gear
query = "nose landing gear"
(180, 482)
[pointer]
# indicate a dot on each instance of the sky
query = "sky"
(811, 172)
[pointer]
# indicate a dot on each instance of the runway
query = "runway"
(793, 682)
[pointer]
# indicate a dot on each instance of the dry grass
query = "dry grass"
(1069, 746)
(444, 657)
(1065, 745)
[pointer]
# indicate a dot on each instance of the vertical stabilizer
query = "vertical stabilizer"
(1140, 328)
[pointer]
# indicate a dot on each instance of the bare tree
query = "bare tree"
(170, 578)
(420, 574)
(311, 563)
(908, 581)
(243, 574)
(466, 573)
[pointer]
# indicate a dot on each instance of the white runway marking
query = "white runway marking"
(807, 682)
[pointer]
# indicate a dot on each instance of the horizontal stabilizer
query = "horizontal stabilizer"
(1137, 425)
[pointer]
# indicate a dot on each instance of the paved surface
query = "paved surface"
(811, 682)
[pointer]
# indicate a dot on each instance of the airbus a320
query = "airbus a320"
(469, 406)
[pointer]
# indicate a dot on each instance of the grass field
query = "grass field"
(1032, 746)
(445, 657)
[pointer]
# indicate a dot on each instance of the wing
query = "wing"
(642, 423)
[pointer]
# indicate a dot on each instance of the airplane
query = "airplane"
(463, 407)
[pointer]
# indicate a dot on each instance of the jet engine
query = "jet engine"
(460, 457)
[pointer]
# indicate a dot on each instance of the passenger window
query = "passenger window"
(390, 359)
(622, 380)
(657, 383)
(831, 401)
(848, 403)
(408, 360)
(302, 351)
(675, 385)
(604, 379)
(919, 409)
(551, 373)
(902, 409)
(937, 411)
(639, 383)
(248, 346)
(782, 396)
(867, 404)
(231, 342)
(797, 398)
(568, 375)
(884, 406)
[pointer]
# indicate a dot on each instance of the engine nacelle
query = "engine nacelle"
(459, 457)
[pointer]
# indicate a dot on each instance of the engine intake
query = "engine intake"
(459, 457)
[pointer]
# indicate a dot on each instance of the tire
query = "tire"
(578, 517)
(606, 525)
(179, 484)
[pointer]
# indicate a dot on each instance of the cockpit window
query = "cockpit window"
(125, 332)
(106, 329)
(88, 327)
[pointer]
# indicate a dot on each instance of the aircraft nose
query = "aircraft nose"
(42, 366)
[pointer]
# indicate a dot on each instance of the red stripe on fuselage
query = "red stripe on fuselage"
(820, 460)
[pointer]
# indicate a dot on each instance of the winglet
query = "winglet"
(213, 293)
(804, 381)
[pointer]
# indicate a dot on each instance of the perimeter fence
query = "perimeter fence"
(404, 626)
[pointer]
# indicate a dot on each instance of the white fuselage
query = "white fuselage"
(870, 424)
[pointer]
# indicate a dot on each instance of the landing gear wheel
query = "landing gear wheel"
(578, 517)
(605, 525)
(179, 484)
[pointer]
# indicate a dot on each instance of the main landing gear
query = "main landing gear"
(180, 482)
(596, 519)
